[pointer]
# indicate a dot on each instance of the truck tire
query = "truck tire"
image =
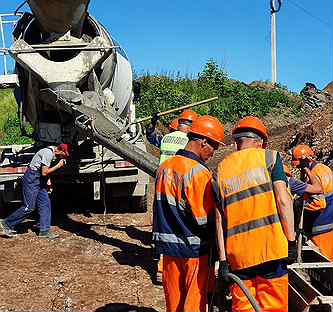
(4, 207)
(139, 203)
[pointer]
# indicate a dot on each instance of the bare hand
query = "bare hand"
(61, 163)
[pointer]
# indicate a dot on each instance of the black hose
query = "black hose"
(246, 292)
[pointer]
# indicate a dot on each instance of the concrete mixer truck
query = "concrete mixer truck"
(75, 86)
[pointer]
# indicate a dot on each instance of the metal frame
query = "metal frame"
(4, 21)
(311, 282)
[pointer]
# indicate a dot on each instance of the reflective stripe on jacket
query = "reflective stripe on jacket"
(323, 223)
(183, 208)
(253, 230)
(171, 143)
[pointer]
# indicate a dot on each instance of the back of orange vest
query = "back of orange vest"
(254, 233)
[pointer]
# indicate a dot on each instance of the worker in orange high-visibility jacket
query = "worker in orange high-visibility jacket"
(169, 145)
(183, 225)
(318, 209)
(254, 220)
(299, 187)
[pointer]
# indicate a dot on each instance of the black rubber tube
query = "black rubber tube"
(246, 292)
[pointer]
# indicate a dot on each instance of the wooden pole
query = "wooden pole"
(176, 109)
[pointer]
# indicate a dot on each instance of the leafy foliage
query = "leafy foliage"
(236, 99)
(10, 132)
(165, 91)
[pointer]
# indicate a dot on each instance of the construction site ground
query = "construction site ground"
(103, 262)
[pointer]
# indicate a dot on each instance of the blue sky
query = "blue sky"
(171, 36)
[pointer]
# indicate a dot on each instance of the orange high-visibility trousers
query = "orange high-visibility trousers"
(271, 294)
(185, 283)
(325, 243)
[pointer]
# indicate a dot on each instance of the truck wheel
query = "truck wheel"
(139, 203)
(3, 207)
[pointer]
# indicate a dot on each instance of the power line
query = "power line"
(324, 22)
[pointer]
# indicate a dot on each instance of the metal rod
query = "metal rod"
(34, 50)
(176, 109)
(300, 236)
(9, 22)
(71, 45)
(311, 265)
(4, 46)
(10, 14)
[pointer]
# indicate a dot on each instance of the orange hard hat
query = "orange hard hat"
(287, 170)
(251, 123)
(208, 127)
(188, 115)
(174, 124)
(301, 151)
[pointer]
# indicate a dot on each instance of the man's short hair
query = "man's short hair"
(184, 122)
(246, 134)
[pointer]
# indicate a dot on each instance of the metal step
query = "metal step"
(311, 283)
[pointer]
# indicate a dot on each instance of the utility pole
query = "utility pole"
(274, 9)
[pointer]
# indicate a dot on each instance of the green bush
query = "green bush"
(8, 107)
(10, 132)
(236, 99)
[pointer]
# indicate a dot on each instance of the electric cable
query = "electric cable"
(324, 22)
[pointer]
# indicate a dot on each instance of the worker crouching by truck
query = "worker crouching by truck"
(183, 225)
(318, 209)
(254, 220)
(34, 188)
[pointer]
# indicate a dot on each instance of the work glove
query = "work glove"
(292, 252)
(304, 163)
(154, 120)
(223, 279)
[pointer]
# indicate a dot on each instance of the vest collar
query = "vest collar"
(192, 156)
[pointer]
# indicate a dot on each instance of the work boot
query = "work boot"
(48, 235)
(6, 230)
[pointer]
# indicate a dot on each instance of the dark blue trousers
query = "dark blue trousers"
(34, 195)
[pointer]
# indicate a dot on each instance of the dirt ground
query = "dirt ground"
(103, 263)
(99, 263)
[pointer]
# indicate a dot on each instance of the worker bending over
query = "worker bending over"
(255, 218)
(318, 209)
(183, 225)
(34, 187)
(311, 185)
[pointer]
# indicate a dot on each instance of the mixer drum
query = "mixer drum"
(60, 16)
